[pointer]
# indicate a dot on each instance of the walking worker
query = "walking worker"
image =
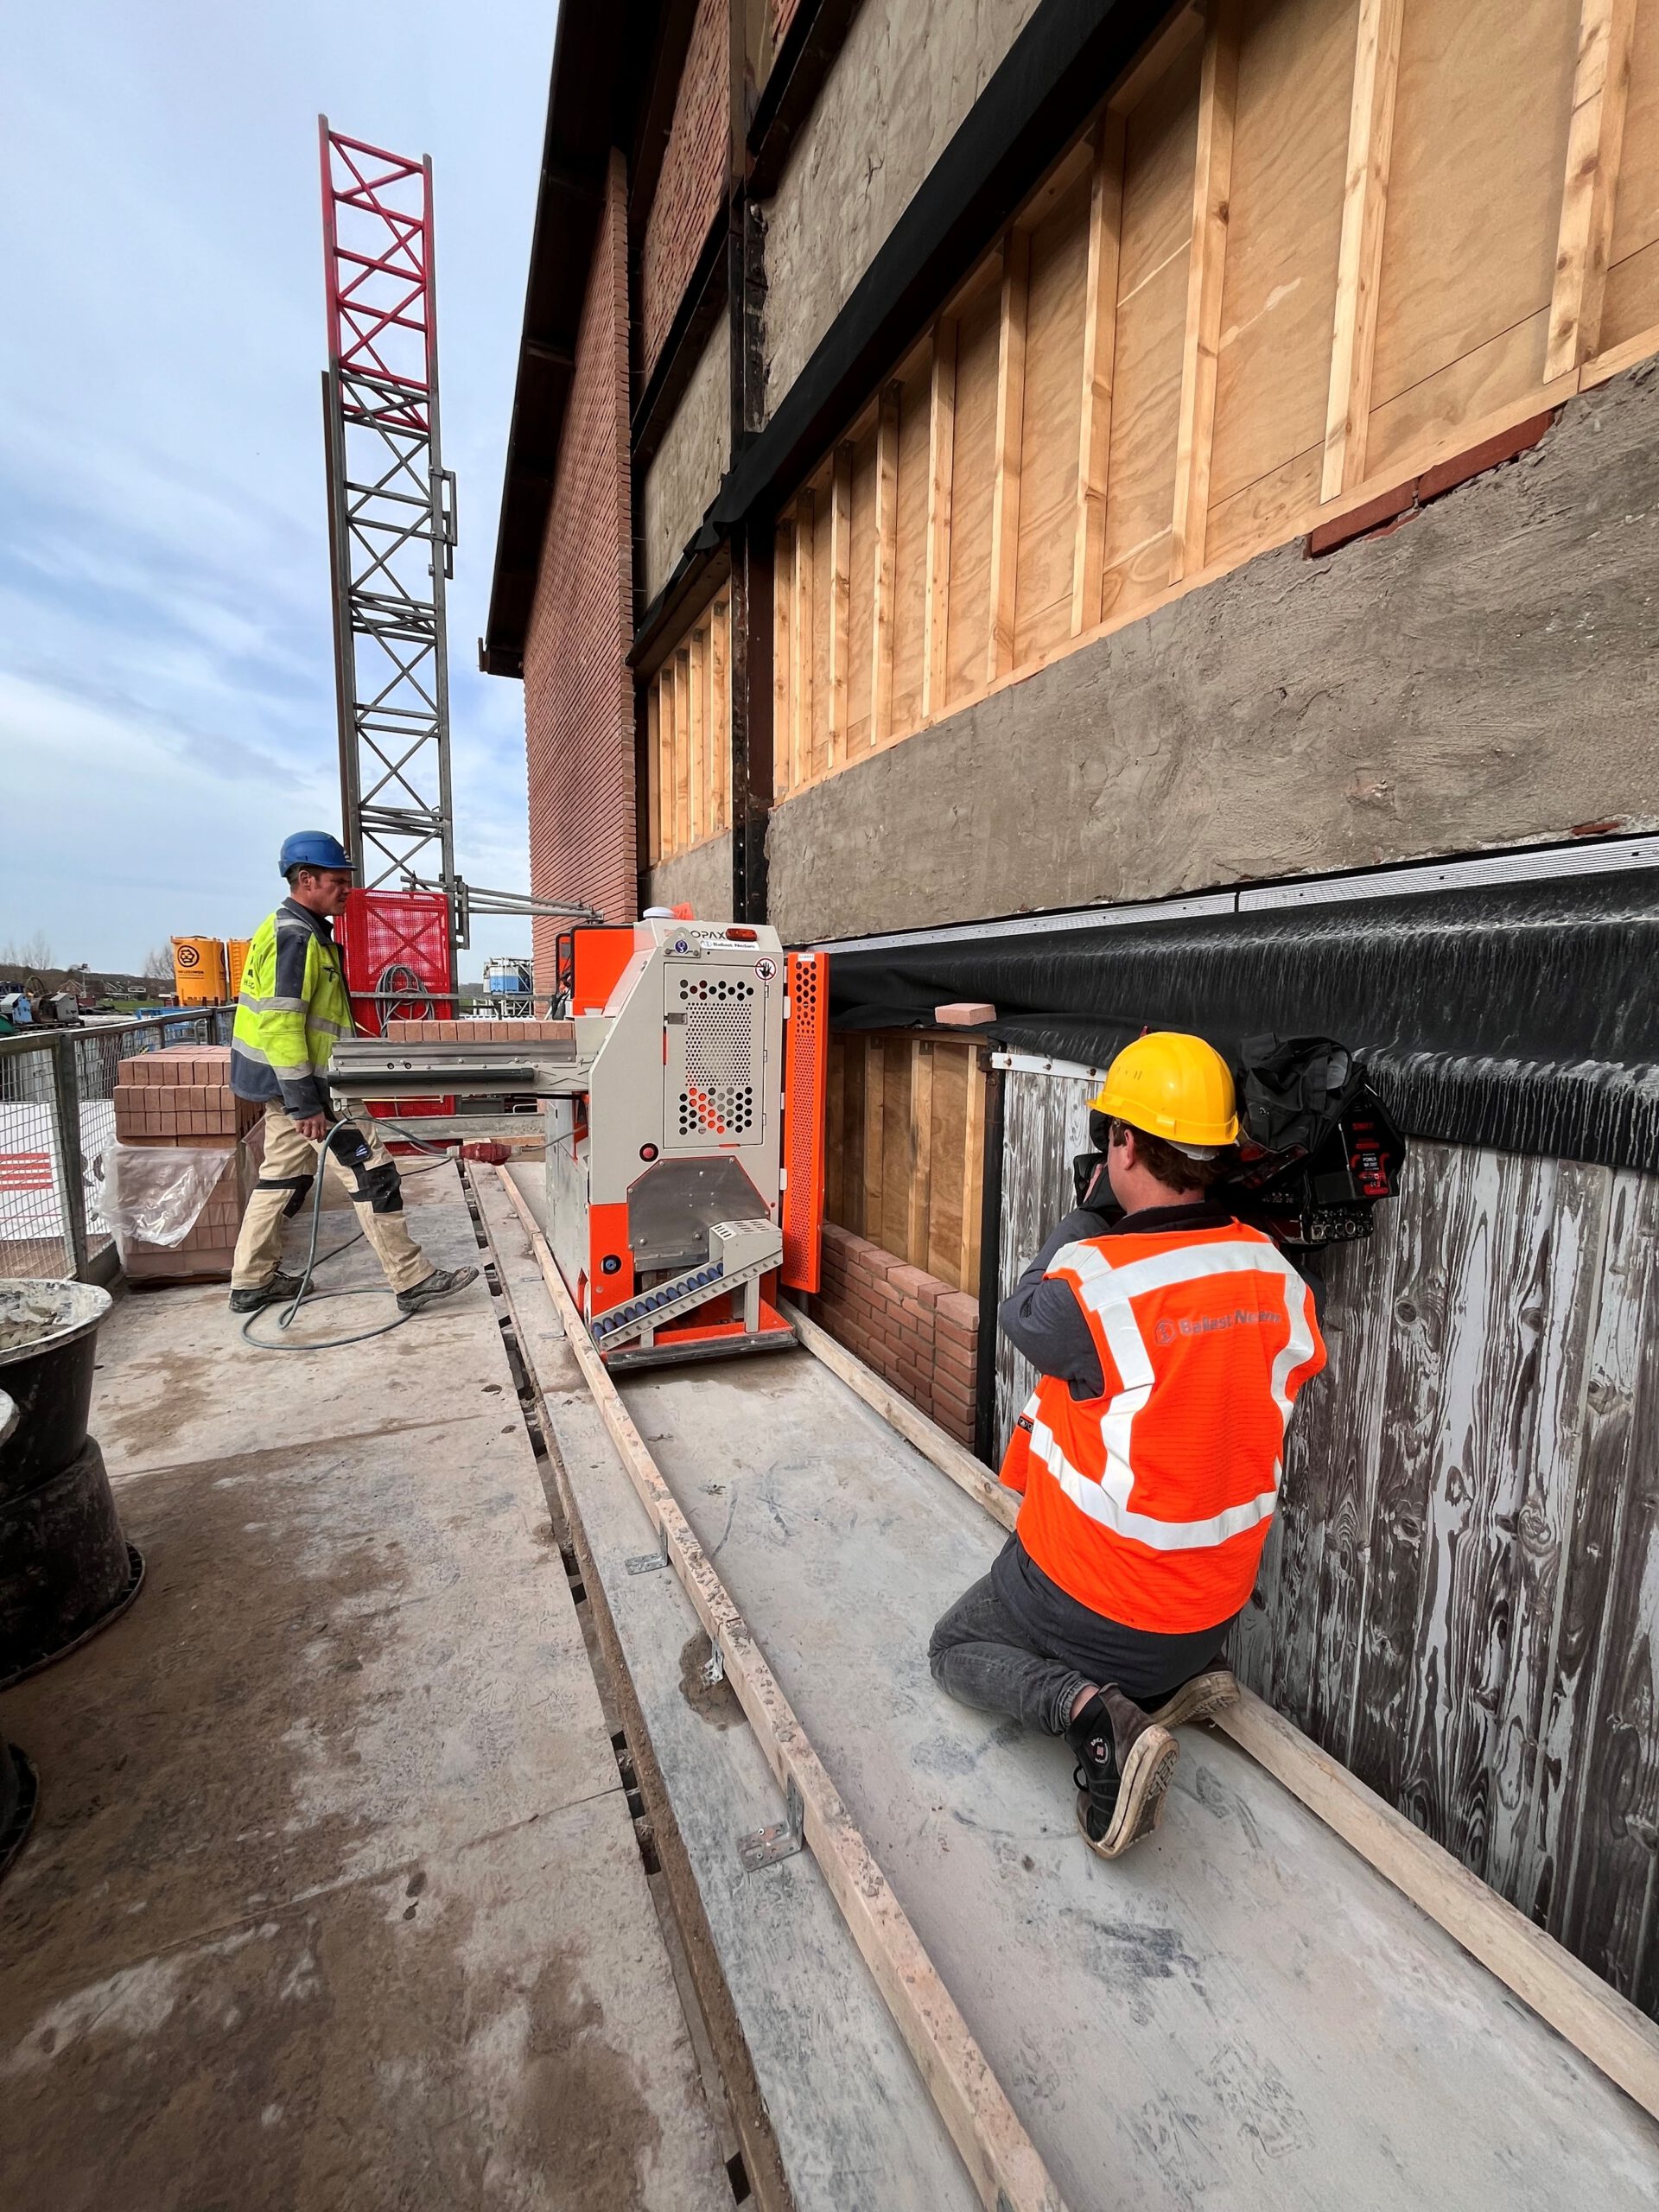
(1172, 1342)
(294, 1005)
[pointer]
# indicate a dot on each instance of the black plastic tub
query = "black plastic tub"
(65, 1570)
(49, 1375)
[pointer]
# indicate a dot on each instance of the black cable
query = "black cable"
(285, 1319)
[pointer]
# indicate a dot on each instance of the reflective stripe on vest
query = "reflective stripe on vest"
(1150, 1503)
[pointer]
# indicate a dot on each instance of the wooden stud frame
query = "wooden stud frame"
(1595, 138)
(1359, 265)
(1110, 386)
(1002, 2161)
(1206, 261)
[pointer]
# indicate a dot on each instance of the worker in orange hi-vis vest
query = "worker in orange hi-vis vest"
(1171, 1341)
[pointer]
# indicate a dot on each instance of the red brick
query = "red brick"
(1491, 453)
(951, 1359)
(1358, 521)
(909, 1281)
(579, 714)
(957, 1306)
(691, 184)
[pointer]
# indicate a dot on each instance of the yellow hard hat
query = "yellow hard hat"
(1175, 1087)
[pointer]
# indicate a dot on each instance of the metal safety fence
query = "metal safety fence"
(57, 1119)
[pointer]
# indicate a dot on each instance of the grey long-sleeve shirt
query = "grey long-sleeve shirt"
(1043, 1318)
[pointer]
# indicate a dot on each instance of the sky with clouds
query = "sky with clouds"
(167, 708)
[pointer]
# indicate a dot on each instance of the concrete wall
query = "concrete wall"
(685, 470)
(1485, 675)
(701, 879)
(901, 86)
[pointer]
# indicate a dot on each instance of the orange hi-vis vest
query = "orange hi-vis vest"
(1151, 1503)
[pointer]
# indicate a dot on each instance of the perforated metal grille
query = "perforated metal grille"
(715, 987)
(724, 1111)
(719, 1043)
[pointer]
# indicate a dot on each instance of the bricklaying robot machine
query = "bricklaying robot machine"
(684, 1126)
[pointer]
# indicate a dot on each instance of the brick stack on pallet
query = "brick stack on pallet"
(178, 1098)
(916, 1330)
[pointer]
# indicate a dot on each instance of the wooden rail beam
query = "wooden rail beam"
(875, 1080)
(941, 462)
(682, 749)
(920, 1157)
(1099, 351)
(1000, 2156)
(1008, 435)
(885, 564)
(1595, 142)
(841, 588)
(1360, 259)
(1207, 264)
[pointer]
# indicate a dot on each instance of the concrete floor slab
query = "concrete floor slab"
(333, 1897)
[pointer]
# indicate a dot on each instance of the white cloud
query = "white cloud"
(167, 706)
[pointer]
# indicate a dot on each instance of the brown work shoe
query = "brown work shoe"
(1126, 1762)
(1205, 1694)
(439, 1284)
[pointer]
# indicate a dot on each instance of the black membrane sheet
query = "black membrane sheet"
(1521, 1016)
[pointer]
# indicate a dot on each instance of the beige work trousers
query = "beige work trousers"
(259, 1247)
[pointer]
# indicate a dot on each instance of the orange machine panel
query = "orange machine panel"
(806, 1059)
(610, 1263)
(601, 955)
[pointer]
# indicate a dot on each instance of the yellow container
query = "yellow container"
(236, 954)
(198, 970)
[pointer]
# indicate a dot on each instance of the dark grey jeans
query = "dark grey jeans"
(1016, 1642)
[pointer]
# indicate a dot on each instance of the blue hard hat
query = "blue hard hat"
(314, 849)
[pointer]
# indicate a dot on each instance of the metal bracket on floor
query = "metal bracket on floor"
(647, 1562)
(781, 1840)
(712, 1669)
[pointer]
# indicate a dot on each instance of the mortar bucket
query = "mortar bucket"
(48, 1341)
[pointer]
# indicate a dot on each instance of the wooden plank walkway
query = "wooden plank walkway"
(1240, 2008)
(334, 1898)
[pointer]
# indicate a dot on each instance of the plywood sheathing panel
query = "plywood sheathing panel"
(1630, 299)
(1053, 407)
(1160, 145)
(1480, 129)
(1295, 72)
(973, 477)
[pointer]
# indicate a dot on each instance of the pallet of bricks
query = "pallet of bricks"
(180, 1096)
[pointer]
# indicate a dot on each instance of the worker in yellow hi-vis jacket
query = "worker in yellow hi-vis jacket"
(293, 1006)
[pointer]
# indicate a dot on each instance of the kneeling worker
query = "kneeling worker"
(1171, 1345)
(293, 1006)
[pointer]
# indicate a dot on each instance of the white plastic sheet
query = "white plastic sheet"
(155, 1194)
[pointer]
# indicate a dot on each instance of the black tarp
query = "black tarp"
(1519, 1015)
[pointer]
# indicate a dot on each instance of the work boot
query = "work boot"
(1207, 1693)
(280, 1288)
(1125, 1763)
(438, 1284)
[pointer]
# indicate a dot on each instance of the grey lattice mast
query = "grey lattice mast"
(392, 515)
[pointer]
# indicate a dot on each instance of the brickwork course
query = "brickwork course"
(916, 1332)
(692, 187)
(578, 692)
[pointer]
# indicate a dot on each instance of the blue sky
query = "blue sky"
(167, 707)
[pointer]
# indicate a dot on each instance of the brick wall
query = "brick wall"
(692, 185)
(578, 694)
(916, 1332)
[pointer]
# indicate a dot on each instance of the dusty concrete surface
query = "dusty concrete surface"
(701, 879)
(685, 470)
(908, 73)
(1485, 676)
(333, 1898)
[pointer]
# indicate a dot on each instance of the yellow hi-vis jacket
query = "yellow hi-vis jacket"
(293, 1006)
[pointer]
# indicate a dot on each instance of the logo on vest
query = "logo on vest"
(1242, 1317)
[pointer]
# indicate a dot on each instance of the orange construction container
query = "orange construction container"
(198, 970)
(236, 955)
